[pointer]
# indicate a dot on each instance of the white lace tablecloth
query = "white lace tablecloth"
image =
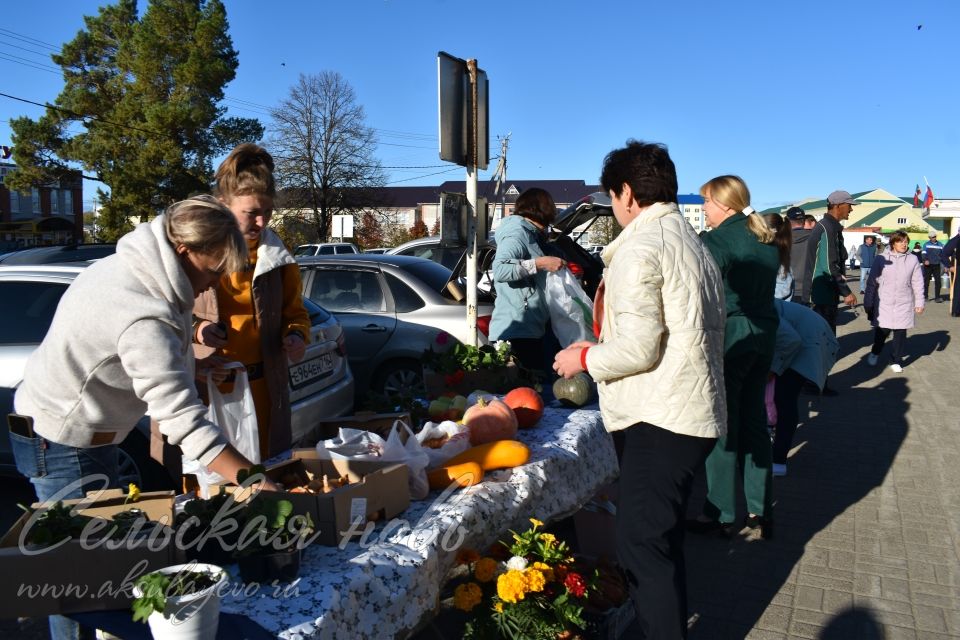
(383, 589)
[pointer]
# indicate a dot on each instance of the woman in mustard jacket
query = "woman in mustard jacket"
(261, 306)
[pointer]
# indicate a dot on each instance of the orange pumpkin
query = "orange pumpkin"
(490, 420)
(526, 404)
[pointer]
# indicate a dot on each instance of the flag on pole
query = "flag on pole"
(928, 199)
(916, 196)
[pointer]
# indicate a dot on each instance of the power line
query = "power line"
(423, 176)
(96, 119)
(29, 40)
(31, 64)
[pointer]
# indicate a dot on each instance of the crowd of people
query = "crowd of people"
(700, 341)
(704, 345)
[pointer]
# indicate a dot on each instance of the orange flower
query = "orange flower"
(467, 556)
(485, 569)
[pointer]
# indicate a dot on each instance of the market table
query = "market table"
(385, 587)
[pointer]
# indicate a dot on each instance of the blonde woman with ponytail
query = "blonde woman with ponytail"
(743, 246)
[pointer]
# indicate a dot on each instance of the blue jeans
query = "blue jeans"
(864, 274)
(62, 472)
(56, 470)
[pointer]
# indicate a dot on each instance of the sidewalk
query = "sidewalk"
(867, 537)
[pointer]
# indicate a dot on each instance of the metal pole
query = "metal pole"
(472, 161)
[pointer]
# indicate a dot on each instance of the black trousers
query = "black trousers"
(829, 313)
(786, 394)
(931, 270)
(656, 477)
(899, 339)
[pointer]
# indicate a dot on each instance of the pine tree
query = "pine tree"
(146, 92)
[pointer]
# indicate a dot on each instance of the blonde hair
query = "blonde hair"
(732, 191)
(205, 225)
(248, 170)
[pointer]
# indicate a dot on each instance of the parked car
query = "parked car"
(53, 255)
(392, 309)
(429, 248)
(320, 385)
(326, 249)
(377, 250)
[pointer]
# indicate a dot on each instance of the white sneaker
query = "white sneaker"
(779, 470)
(872, 360)
(896, 368)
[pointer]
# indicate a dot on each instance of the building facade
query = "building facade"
(50, 214)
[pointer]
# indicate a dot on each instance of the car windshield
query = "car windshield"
(434, 275)
(305, 250)
(27, 310)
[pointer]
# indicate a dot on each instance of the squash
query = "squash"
(490, 420)
(575, 391)
(501, 454)
(527, 405)
(466, 474)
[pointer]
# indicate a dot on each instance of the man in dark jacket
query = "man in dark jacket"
(801, 256)
(950, 253)
(829, 275)
(866, 253)
(930, 259)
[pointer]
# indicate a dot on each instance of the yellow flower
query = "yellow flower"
(485, 569)
(467, 596)
(498, 607)
(133, 493)
(545, 569)
(511, 586)
(536, 523)
(535, 580)
(548, 538)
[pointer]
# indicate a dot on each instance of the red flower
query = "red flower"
(575, 584)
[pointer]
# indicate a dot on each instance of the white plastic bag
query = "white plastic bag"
(236, 416)
(456, 440)
(571, 310)
(358, 444)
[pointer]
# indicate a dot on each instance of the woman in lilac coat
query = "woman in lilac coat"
(894, 294)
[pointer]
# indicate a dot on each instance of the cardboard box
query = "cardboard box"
(379, 423)
(377, 491)
(70, 578)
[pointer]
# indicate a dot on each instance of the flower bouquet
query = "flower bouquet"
(535, 594)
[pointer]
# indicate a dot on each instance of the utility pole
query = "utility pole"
(500, 175)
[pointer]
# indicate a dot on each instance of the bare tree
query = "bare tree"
(324, 152)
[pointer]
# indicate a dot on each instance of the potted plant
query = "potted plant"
(181, 601)
(463, 368)
(197, 526)
(271, 540)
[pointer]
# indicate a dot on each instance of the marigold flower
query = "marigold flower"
(466, 596)
(511, 586)
(536, 523)
(545, 569)
(467, 556)
(548, 538)
(485, 569)
(498, 607)
(575, 584)
(535, 580)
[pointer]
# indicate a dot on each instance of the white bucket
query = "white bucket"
(190, 617)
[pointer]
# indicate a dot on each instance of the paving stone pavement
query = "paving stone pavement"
(867, 522)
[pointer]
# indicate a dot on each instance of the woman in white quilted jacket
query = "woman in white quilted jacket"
(659, 370)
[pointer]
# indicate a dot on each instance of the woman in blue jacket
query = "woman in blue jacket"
(520, 314)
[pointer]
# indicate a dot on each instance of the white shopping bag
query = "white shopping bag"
(571, 310)
(357, 444)
(236, 416)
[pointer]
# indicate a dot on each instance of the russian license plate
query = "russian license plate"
(309, 371)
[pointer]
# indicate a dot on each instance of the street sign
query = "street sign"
(456, 112)
(342, 227)
(453, 219)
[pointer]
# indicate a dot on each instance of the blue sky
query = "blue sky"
(797, 98)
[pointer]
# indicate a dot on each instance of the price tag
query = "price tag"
(358, 510)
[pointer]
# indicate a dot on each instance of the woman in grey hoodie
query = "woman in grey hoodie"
(119, 347)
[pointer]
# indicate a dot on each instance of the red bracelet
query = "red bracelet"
(583, 357)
